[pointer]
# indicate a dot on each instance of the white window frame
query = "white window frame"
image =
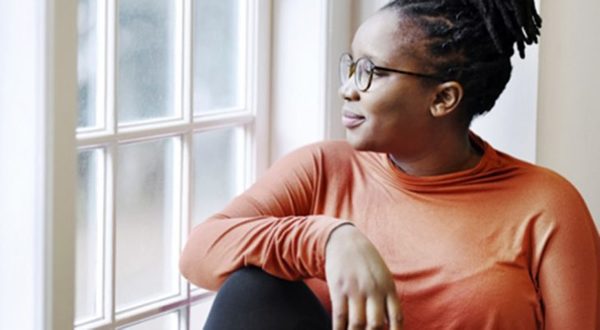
(252, 117)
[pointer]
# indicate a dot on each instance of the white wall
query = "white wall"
(569, 111)
(19, 135)
(298, 63)
(37, 168)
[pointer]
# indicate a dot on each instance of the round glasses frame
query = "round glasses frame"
(363, 70)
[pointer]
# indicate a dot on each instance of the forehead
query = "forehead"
(389, 37)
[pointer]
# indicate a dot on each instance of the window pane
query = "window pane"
(86, 62)
(165, 322)
(218, 169)
(199, 313)
(218, 55)
(146, 59)
(89, 210)
(146, 245)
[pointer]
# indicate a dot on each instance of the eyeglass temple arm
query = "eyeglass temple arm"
(409, 73)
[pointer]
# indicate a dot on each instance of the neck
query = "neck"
(447, 156)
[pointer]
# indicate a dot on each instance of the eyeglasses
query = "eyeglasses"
(363, 70)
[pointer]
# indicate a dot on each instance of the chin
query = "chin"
(359, 143)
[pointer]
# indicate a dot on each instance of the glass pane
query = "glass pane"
(146, 265)
(89, 221)
(218, 170)
(165, 322)
(218, 55)
(86, 62)
(145, 88)
(199, 313)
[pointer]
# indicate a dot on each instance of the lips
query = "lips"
(351, 119)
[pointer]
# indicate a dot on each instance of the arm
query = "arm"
(569, 276)
(268, 226)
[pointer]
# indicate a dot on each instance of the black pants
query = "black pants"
(251, 299)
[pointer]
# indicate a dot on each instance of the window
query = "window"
(170, 128)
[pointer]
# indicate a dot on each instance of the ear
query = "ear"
(447, 98)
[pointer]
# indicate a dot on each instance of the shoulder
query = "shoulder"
(554, 212)
(538, 186)
(547, 183)
(555, 195)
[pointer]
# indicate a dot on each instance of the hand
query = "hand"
(363, 293)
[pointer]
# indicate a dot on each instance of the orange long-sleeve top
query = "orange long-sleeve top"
(504, 245)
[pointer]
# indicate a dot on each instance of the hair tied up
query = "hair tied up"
(519, 18)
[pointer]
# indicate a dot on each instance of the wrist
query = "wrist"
(342, 233)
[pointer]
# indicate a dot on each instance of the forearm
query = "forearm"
(290, 247)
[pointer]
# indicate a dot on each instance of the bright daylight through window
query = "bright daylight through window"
(167, 134)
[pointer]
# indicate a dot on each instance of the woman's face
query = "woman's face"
(393, 115)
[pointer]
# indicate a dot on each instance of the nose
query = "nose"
(348, 90)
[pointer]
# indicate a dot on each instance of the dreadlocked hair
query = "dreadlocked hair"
(472, 41)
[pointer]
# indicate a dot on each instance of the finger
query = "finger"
(394, 312)
(357, 318)
(339, 311)
(376, 312)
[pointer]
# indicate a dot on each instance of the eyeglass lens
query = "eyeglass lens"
(361, 70)
(364, 69)
(346, 67)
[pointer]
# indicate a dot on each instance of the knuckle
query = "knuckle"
(339, 326)
(341, 316)
(399, 318)
(357, 324)
(375, 326)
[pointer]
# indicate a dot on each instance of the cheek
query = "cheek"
(399, 116)
(382, 103)
(395, 92)
(394, 109)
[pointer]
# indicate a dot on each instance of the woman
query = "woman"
(414, 222)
